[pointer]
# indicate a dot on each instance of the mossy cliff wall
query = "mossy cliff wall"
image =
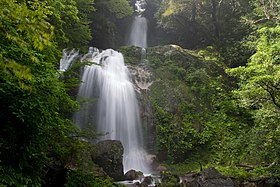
(177, 98)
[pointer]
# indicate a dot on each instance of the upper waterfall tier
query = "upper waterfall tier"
(139, 28)
(138, 33)
(140, 6)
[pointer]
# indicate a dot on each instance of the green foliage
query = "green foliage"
(193, 99)
(264, 13)
(198, 23)
(197, 117)
(110, 22)
(80, 178)
(178, 139)
(132, 54)
(71, 21)
(243, 173)
(195, 108)
(34, 101)
(168, 180)
(182, 168)
(184, 94)
(259, 91)
(120, 8)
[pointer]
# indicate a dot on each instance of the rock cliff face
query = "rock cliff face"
(175, 87)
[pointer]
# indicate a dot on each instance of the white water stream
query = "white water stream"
(67, 59)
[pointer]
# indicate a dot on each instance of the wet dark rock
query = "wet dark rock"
(210, 177)
(132, 175)
(56, 177)
(169, 179)
(189, 180)
(160, 169)
(136, 184)
(108, 154)
(249, 184)
(147, 181)
(265, 182)
(271, 182)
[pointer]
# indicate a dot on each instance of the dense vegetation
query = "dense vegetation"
(110, 23)
(36, 132)
(232, 72)
(234, 120)
(217, 104)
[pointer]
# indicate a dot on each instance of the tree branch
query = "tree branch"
(267, 88)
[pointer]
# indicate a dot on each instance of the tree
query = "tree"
(71, 21)
(209, 22)
(110, 22)
(34, 103)
(259, 91)
(264, 11)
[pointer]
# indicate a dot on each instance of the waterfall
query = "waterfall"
(138, 32)
(116, 106)
(67, 59)
(115, 111)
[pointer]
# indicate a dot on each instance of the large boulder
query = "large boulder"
(132, 175)
(210, 177)
(213, 178)
(108, 154)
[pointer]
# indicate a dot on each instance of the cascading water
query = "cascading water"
(117, 106)
(138, 33)
(115, 111)
(67, 59)
(143, 77)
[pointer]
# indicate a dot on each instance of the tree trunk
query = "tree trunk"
(214, 19)
(193, 11)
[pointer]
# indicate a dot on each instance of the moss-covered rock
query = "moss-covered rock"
(108, 154)
(132, 54)
(73, 162)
